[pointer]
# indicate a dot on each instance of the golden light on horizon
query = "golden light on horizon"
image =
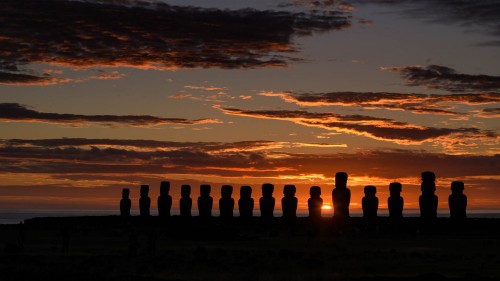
(326, 207)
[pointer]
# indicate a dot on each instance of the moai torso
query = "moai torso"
(226, 203)
(246, 203)
(125, 203)
(266, 202)
(164, 200)
(315, 203)
(205, 201)
(185, 203)
(341, 196)
(289, 202)
(144, 201)
(370, 202)
(395, 201)
(457, 201)
(428, 201)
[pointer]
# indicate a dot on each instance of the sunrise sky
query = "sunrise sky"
(96, 96)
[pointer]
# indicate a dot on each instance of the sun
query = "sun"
(326, 207)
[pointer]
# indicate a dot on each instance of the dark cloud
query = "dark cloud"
(372, 127)
(488, 113)
(416, 103)
(14, 112)
(10, 78)
(212, 147)
(80, 34)
(78, 161)
(467, 13)
(445, 78)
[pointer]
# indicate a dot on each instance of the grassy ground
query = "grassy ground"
(99, 248)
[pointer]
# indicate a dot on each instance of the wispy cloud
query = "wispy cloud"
(466, 13)
(415, 103)
(376, 128)
(445, 78)
(488, 113)
(205, 88)
(114, 33)
(152, 145)
(239, 159)
(19, 78)
(14, 112)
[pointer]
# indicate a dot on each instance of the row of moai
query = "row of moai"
(341, 197)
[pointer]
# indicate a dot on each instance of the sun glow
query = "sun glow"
(326, 207)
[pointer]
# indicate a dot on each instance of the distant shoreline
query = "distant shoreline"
(15, 217)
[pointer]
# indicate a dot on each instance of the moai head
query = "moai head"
(315, 191)
(395, 188)
(341, 180)
(226, 191)
(164, 188)
(428, 187)
(428, 176)
(205, 190)
(185, 190)
(370, 191)
(125, 193)
(246, 191)
(267, 190)
(289, 190)
(144, 190)
(457, 187)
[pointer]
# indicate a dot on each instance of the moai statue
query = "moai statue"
(457, 201)
(341, 196)
(289, 202)
(205, 201)
(370, 203)
(245, 202)
(315, 202)
(185, 203)
(164, 200)
(266, 202)
(428, 201)
(125, 203)
(395, 202)
(226, 203)
(144, 201)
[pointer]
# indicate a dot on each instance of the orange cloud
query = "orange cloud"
(415, 103)
(367, 126)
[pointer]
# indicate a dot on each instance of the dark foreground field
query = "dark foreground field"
(111, 248)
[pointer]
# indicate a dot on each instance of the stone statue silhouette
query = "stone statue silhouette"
(266, 202)
(226, 203)
(395, 202)
(144, 201)
(245, 203)
(315, 203)
(457, 201)
(289, 202)
(341, 196)
(369, 203)
(428, 201)
(205, 201)
(164, 200)
(125, 203)
(185, 203)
